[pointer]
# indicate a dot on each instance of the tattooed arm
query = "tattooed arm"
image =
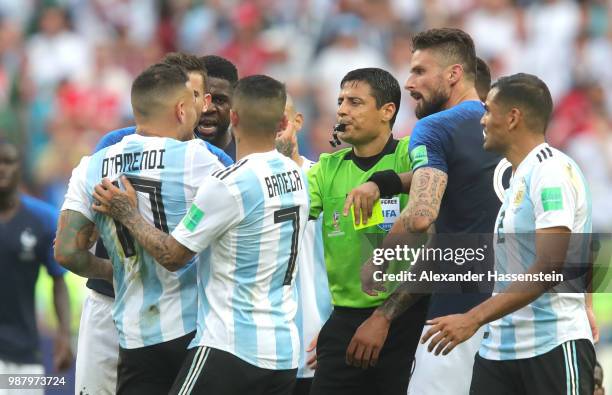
(426, 192)
(122, 207)
(72, 242)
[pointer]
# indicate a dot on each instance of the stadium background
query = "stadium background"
(66, 67)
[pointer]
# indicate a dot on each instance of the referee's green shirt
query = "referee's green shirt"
(346, 249)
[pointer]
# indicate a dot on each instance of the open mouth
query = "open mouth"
(207, 127)
(416, 96)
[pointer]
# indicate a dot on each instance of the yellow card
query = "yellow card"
(377, 216)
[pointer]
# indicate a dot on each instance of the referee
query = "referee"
(367, 105)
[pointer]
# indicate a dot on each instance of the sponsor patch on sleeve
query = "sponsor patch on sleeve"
(418, 156)
(552, 199)
(193, 217)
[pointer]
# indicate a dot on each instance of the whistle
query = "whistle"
(335, 141)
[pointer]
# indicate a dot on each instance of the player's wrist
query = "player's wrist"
(388, 182)
(381, 317)
(476, 316)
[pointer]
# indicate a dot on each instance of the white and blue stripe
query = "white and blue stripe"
(245, 309)
(552, 319)
(152, 305)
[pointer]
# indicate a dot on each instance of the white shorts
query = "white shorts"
(444, 374)
(16, 369)
(98, 347)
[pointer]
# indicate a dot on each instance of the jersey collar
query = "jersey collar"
(532, 156)
(366, 163)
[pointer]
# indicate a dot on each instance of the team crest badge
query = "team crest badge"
(28, 243)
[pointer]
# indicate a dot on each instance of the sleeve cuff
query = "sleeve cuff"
(388, 181)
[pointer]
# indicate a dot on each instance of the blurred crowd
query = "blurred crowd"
(66, 66)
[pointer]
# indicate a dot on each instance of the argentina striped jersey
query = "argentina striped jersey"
(547, 190)
(152, 305)
(247, 221)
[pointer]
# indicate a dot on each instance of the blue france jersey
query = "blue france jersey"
(248, 227)
(451, 141)
(26, 243)
(152, 305)
(314, 298)
(547, 190)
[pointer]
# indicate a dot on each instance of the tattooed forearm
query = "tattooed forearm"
(162, 246)
(399, 301)
(72, 242)
(428, 186)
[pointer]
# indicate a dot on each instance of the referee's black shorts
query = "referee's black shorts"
(391, 374)
(151, 370)
(212, 371)
(566, 369)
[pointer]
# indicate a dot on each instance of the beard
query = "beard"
(433, 105)
(285, 147)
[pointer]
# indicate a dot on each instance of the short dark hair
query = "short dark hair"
(154, 84)
(384, 87)
(260, 102)
(483, 78)
(456, 45)
(528, 93)
(190, 63)
(219, 67)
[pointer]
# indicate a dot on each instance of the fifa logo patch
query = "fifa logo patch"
(391, 212)
(193, 218)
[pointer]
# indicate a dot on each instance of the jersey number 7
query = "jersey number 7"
(290, 214)
(153, 189)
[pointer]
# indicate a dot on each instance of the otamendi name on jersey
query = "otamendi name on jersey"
(131, 161)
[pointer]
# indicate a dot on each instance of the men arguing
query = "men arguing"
(98, 348)
(154, 310)
(246, 283)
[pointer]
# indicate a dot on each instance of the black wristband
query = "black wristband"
(388, 181)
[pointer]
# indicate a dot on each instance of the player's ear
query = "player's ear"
(455, 73)
(234, 118)
(387, 111)
(181, 112)
(207, 101)
(298, 121)
(514, 117)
